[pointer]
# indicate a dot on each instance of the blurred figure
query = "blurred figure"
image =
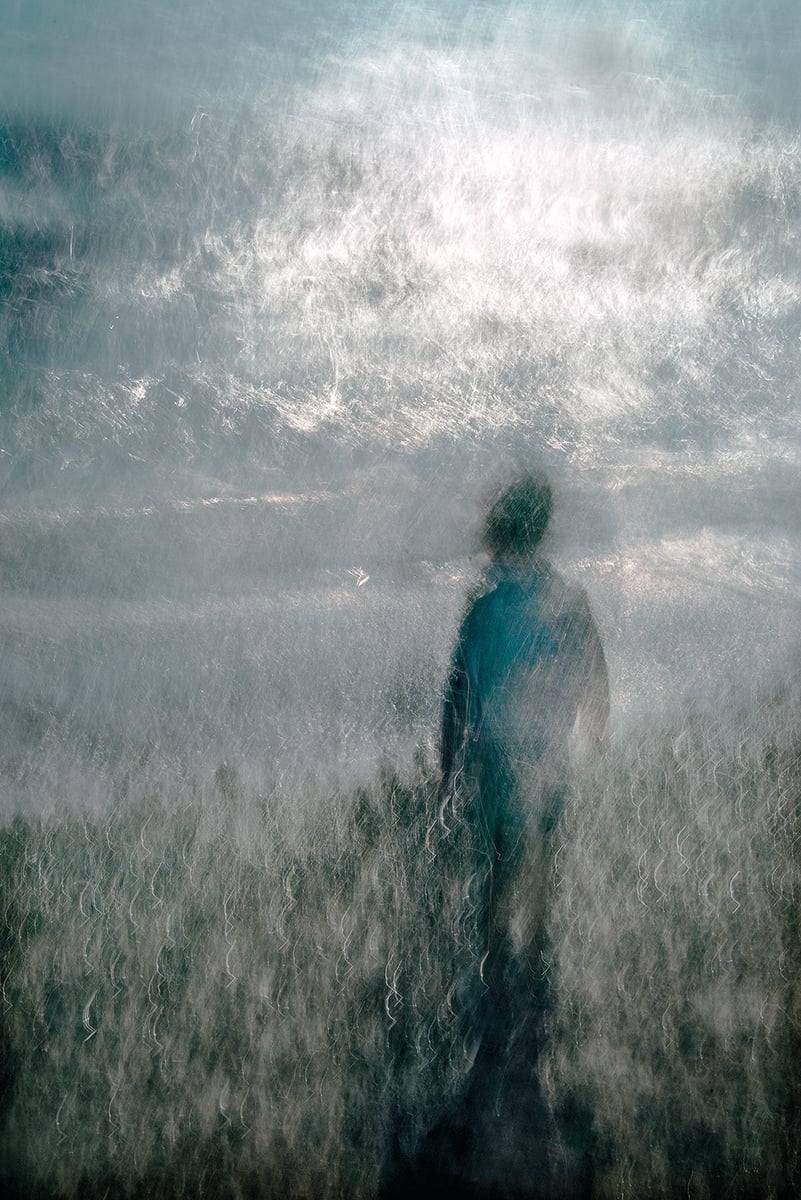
(528, 678)
(528, 688)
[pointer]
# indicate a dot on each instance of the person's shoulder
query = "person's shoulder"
(479, 600)
(547, 572)
(484, 586)
(565, 595)
(484, 597)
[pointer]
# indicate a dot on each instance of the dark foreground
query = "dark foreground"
(200, 1001)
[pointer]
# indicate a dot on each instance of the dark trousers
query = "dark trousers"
(495, 1138)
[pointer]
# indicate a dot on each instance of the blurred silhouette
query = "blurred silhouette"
(528, 680)
(528, 688)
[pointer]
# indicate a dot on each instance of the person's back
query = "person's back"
(531, 657)
(528, 665)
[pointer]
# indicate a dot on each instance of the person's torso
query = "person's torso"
(525, 653)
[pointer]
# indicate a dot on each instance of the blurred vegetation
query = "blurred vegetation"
(204, 996)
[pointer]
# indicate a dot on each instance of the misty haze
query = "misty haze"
(288, 295)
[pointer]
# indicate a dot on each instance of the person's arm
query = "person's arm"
(461, 704)
(455, 707)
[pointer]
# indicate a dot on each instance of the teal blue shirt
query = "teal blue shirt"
(528, 659)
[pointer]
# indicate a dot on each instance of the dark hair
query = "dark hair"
(517, 521)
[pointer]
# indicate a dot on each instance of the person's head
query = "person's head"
(517, 521)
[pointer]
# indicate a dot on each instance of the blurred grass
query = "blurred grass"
(678, 959)
(205, 996)
(190, 1009)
